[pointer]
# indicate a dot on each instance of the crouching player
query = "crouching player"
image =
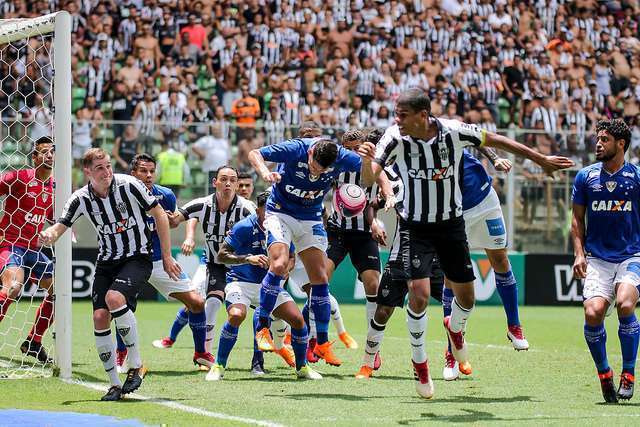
(245, 250)
(606, 251)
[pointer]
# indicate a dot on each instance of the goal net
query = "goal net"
(35, 102)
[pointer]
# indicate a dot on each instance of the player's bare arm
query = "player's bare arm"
(258, 163)
(162, 225)
(549, 164)
(577, 233)
(368, 172)
(49, 236)
(189, 239)
(227, 255)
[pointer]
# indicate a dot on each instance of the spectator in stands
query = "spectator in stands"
(245, 111)
(214, 151)
(172, 169)
(125, 148)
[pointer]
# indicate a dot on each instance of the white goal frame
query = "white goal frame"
(59, 24)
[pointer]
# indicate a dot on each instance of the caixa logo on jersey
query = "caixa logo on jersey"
(568, 288)
(434, 174)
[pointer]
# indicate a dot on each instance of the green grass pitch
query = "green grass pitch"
(553, 383)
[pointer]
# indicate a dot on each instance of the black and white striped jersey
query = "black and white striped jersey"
(431, 171)
(120, 219)
(216, 224)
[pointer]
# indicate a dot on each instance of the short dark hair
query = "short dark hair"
(617, 128)
(325, 152)
(416, 99)
(43, 140)
(215, 174)
(374, 135)
(310, 129)
(352, 135)
(142, 157)
(245, 175)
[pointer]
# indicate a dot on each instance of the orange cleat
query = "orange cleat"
(287, 355)
(324, 351)
(348, 340)
(264, 340)
(365, 372)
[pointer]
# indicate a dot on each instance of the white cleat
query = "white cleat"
(516, 336)
(215, 373)
(450, 371)
(307, 373)
(424, 384)
(163, 343)
(458, 343)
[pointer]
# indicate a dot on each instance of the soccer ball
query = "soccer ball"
(349, 200)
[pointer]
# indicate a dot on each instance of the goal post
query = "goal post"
(57, 28)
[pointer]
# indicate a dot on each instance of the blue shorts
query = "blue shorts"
(35, 263)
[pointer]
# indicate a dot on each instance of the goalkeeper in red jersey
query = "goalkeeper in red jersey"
(27, 205)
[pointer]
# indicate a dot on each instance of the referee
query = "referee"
(117, 206)
(428, 154)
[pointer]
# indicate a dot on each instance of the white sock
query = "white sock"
(459, 316)
(211, 306)
(417, 325)
(312, 325)
(278, 330)
(335, 315)
(375, 335)
(371, 307)
(127, 328)
(107, 353)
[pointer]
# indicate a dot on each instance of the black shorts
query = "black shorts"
(126, 276)
(393, 288)
(216, 277)
(360, 247)
(419, 243)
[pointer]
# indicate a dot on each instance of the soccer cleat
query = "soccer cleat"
(608, 388)
(204, 359)
(263, 338)
(114, 393)
(450, 371)
(458, 345)
(364, 372)
(287, 355)
(377, 361)
(424, 384)
(307, 373)
(625, 390)
(324, 351)
(465, 368)
(257, 364)
(134, 379)
(287, 339)
(165, 342)
(35, 349)
(121, 361)
(348, 340)
(311, 357)
(215, 373)
(515, 335)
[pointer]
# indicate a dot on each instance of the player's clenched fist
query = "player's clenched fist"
(47, 237)
(367, 150)
(272, 177)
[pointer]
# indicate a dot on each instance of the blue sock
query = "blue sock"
(299, 338)
(321, 307)
(256, 325)
(121, 345)
(268, 295)
(228, 337)
(198, 325)
(182, 318)
(305, 313)
(629, 334)
(596, 337)
(508, 290)
(447, 299)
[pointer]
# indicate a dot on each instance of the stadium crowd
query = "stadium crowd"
(252, 71)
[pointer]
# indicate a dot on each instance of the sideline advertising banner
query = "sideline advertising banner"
(550, 280)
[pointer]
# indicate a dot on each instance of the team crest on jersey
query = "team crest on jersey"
(611, 185)
(45, 197)
(443, 152)
(313, 178)
(121, 207)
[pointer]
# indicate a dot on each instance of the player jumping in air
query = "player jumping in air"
(29, 203)
(606, 197)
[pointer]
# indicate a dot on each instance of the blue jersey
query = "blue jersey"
(612, 209)
(476, 183)
(247, 237)
(167, 200)
(298, 194)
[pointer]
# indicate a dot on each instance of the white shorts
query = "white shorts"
(282, 228)
(248, 294)
(199, 280)
(484, 224)
(298, 277)
(602, 277)
(166, 285)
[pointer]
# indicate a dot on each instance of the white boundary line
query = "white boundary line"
(179, 406)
